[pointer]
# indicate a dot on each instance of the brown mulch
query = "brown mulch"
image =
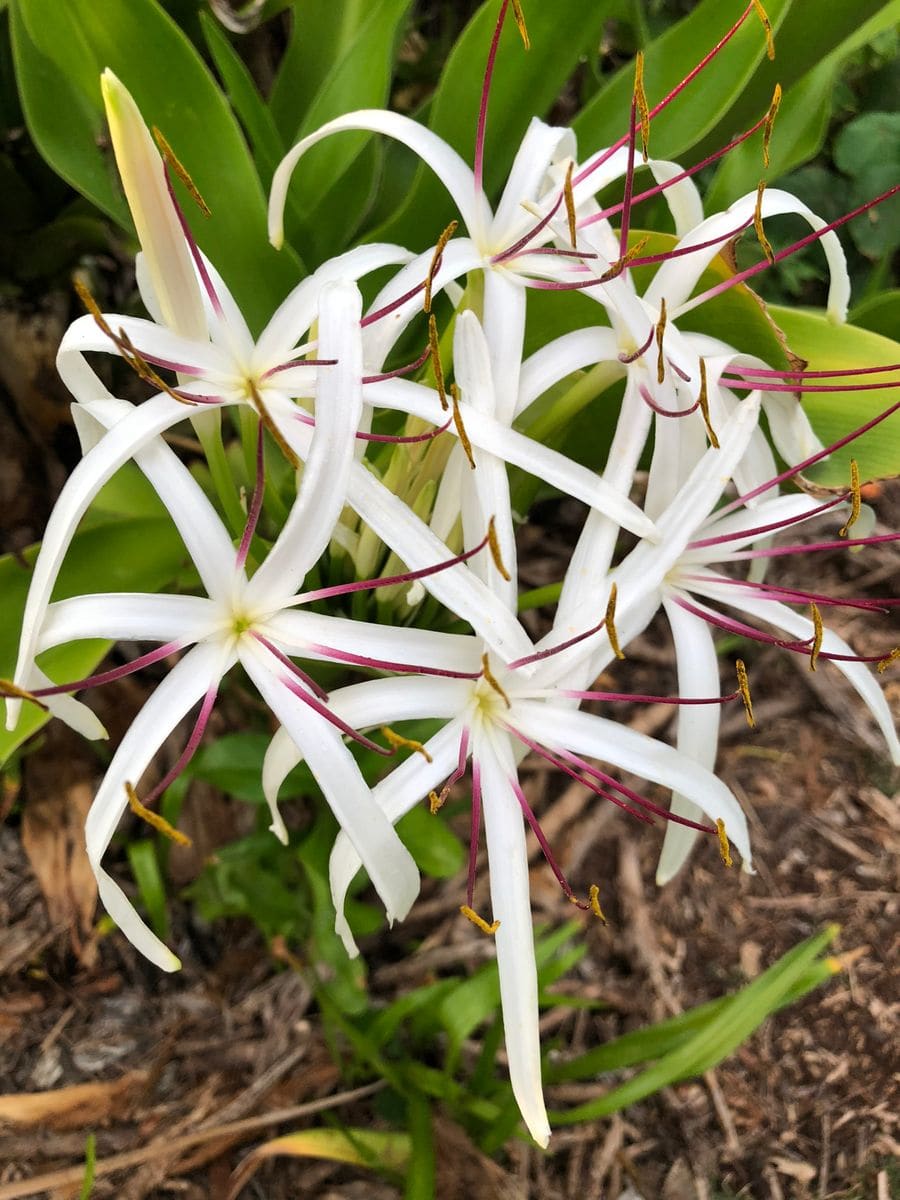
(179, 1076)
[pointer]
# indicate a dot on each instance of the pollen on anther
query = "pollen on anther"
(437, 367)
(818, 635)
(594, 901)
(491, 680)
(855, 499)
(610, 623)
(767, 26)
(703, 401)
(460, 427)
(640, 100)
(172, 160)
(479, 922)
(14, 692)
(569, 196)
(436, 261)
(888, 660)
(398, 741)
(758, 224)
(160, 824)
(744, 689)
(494, 547)
(724, 848)
(660, 334)
(520, 22)
(770, 122)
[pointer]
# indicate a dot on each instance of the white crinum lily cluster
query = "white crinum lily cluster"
(313, 385)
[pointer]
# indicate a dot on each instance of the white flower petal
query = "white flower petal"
(120, 444)
(572, 352)
(504, 330)
(615, 743)
(504, 829)
(128, 616)
(188, 356)
(541, 146)
(455, 175)
(698, 726)
(68, 710)
(172, 700)
(391, 868)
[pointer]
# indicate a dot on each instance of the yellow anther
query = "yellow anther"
(435, 261)
(436, 802)
(479, 922)
(266, 418)
(520, 22)
(770, 121)
(660, 333)
(610, 622)
(620, 264)
(169, 155)
(14, 692)
(888, 659)
(767, 26)
(855, 499)
(640, 100)
(160, 824)
(724, 848)
(398, 741)
(434, 347)
(819, 633)
(744, 689)
(460, 428)
(491, 680)
(703, 401)
(494, 547)
(569, 197)
(758, 224)
(594, 901)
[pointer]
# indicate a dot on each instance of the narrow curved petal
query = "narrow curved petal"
(69, 710)
(797, 626)
(397, 794)
(504, 328)
(297, 312)
(161, 346)
(698, 726)
(128, 616)
(206, 538)
(542, 146)
(323, 487)
(678, 277)
(120, 444)
(511, 905)
(185, 685)
(455, 175)
(614, 743)
(391, 868)
(573, 351)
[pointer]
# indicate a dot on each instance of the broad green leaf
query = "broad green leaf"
(136, 554)
(525, 84)
(880, 313)
(828, 347)
(437, 851)
(148, 877)
(717, 1037)
(802, 120)
(667, 60)
(867, 150)
(60, 50)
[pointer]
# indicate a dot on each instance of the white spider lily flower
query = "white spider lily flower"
(256, 622)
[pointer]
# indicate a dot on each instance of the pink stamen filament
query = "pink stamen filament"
(255, 502)
(513, 250)
(407, 370)
(739, 382)
(485, 94)
(811, 547)
(629, 181)
(740, 628)
(676, 91)
(194, 249)
(632, 698)
(535, 827)
(795, 596)
(761, 530)
(636, 354)
(307, 680)
(390, 438)
(92, 681)
(474, 832)
(362, 585)
(540, 655)
(332, 718)
(378, 664)
(766, 372)
(292, 363)
(808, 462)
(665, 412)
(190, 749)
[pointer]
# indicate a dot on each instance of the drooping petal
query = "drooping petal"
(69, 710)
(172, 700)
(797, 626)
(698, 726)
(120, 444)
(511, 905)
(615, 743)
(391, 868)
(572, 352)
(397, 794)
(452, 171)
